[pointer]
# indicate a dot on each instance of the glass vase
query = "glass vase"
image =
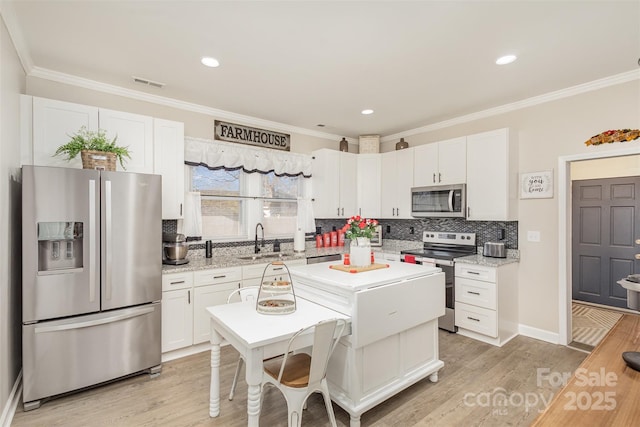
(360, 252)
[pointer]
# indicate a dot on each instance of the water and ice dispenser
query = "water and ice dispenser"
(59, 246)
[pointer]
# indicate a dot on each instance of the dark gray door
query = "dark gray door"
(604, 238)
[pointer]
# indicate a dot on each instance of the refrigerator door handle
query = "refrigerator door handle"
(107, 233)
(92, 239)
(94, 322)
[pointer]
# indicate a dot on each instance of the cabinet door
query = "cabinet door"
(488, 176)
(425, 171)
(404, 177)
(207, 296)
(326, 181)
(452, 161)
(177, 319)
(53, 123)
(168, 152)
(347, 185)
(388, 187)
(369, 185)
(133, 131)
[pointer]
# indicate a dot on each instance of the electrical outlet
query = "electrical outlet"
(388, 229)
(411, 230)
(533, 236)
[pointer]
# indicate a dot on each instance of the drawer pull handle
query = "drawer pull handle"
(177, 283)
(278, 269)
(473, 293)
(220, 277)
(473, 272)
(473, 318)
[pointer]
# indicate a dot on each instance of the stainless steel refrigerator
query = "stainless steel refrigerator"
(91, 278)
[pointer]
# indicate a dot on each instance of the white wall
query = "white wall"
(546, 132)
(12, 83)
(606, 168)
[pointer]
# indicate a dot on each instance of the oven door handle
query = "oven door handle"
(444, 262)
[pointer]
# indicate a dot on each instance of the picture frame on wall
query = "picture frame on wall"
(536, 185)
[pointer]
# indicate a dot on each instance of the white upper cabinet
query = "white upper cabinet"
(369, 180)
(53, 123)
(168, 150)
(396, 183)
(441, 163)
(135, 132)
(492, 169)
(334, 183)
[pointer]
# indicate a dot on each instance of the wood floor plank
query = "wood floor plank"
(180, 395)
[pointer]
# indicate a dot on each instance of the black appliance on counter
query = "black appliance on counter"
(440, 248)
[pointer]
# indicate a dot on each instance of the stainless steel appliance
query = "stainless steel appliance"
(91, 278)
(439, 249)
(439, 201)
(175, 249)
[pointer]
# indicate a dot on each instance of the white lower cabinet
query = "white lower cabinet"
(486, 302)
(184, 298)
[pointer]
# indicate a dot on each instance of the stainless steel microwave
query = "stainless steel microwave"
(439, 201)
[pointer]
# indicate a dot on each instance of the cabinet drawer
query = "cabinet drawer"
(218, 275)
(475, 292)
(477, 272)
(477, 319)
(174, 281)
(254, 270)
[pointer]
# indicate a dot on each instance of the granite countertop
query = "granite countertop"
(224, 261)
(479, 259)
(198, 262)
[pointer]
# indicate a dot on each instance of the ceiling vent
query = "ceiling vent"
(148, 82)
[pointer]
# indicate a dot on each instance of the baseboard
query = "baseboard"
(12, 403)
(539, 334)
(187, 351)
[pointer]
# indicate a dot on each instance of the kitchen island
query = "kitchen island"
(394, 328)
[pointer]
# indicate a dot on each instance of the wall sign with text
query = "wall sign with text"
(536, 185)
(252, 136)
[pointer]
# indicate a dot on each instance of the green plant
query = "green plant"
(357, 226)
(89, 140)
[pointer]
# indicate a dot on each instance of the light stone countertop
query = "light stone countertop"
(224, 259)
(479, 259)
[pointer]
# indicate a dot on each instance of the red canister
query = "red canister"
(327, 239)
(334, 238)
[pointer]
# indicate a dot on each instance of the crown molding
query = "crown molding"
(525, 103)
(72, 80)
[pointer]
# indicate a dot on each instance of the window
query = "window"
(279, 216)
(233, 202)
(222, 209)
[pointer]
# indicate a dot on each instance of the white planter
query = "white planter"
(360, 252)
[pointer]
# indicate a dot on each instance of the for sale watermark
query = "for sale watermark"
(590, 399)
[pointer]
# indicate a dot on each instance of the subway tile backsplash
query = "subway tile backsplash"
(399, 229)
(411, 229)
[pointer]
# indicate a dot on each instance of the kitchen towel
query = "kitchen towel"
(305, 220)
(192, 223)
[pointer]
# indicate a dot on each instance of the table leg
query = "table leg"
(354, 421)
(214, 386)
(254, 382)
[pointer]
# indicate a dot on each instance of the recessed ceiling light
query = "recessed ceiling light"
(210, 62)
(367, 111)
(507, 59)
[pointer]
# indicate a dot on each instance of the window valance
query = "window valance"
(217, 155)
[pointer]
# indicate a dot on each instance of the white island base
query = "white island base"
(394, 329)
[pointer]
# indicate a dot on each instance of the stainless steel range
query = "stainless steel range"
(440, 249)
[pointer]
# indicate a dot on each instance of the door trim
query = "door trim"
(564, 233)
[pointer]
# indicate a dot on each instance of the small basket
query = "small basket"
(99, 160)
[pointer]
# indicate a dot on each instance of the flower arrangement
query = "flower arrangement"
(609, 136)
(357, 226)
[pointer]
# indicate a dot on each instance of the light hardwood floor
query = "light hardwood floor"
(470, 392)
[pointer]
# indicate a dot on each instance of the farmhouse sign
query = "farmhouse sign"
(247, 135)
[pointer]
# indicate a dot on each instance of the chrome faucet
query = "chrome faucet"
(256, 249)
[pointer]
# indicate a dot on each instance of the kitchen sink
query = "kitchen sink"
(270, 256)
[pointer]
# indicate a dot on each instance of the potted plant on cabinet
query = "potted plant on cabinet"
(95, 149)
